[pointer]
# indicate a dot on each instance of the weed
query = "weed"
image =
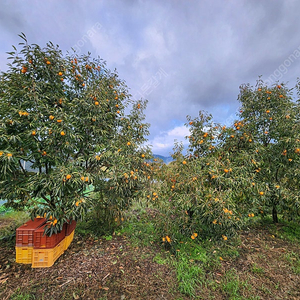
(189, 276)
(108, 237)
(233, 286)
(294, 261)
(159, 259)
(21, 296)
(141, 230)
(216, 252)
(291, 231)
(296, 269)
(265, 289)
(256, 269)
(262, 256)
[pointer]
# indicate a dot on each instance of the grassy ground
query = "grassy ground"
(263, 262)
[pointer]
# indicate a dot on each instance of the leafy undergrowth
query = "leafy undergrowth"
(262, 263)
(9, 221)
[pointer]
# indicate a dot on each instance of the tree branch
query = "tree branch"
(23, 170)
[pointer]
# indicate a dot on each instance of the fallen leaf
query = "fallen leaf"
(3, 276)
(3, 280)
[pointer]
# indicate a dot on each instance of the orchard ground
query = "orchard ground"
(262, 262)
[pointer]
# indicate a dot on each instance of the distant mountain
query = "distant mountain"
(166, 159)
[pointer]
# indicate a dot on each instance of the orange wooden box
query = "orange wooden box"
(43, 241)
(24, 234)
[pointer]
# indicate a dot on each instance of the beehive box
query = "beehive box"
(24, 234)
(43, 241)
(70, 227)
(68, 240)
(24, 255)
(43, 258)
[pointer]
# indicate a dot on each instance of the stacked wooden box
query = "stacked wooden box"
(24, 240)
(39, 250)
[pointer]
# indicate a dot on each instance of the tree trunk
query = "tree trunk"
(274, 214)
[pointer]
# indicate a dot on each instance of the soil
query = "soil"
(90, 269)
(115, 269)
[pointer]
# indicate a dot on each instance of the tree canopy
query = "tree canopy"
(67, 123)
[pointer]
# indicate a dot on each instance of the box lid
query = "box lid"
(32, 225)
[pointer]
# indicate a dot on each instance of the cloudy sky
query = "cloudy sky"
(182, 55)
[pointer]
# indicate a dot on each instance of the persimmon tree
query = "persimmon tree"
(230, 174)
(270, 123)
(200, 187)
(65, 127)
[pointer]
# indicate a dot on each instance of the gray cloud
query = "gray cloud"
(11, 18)
(206, 48)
